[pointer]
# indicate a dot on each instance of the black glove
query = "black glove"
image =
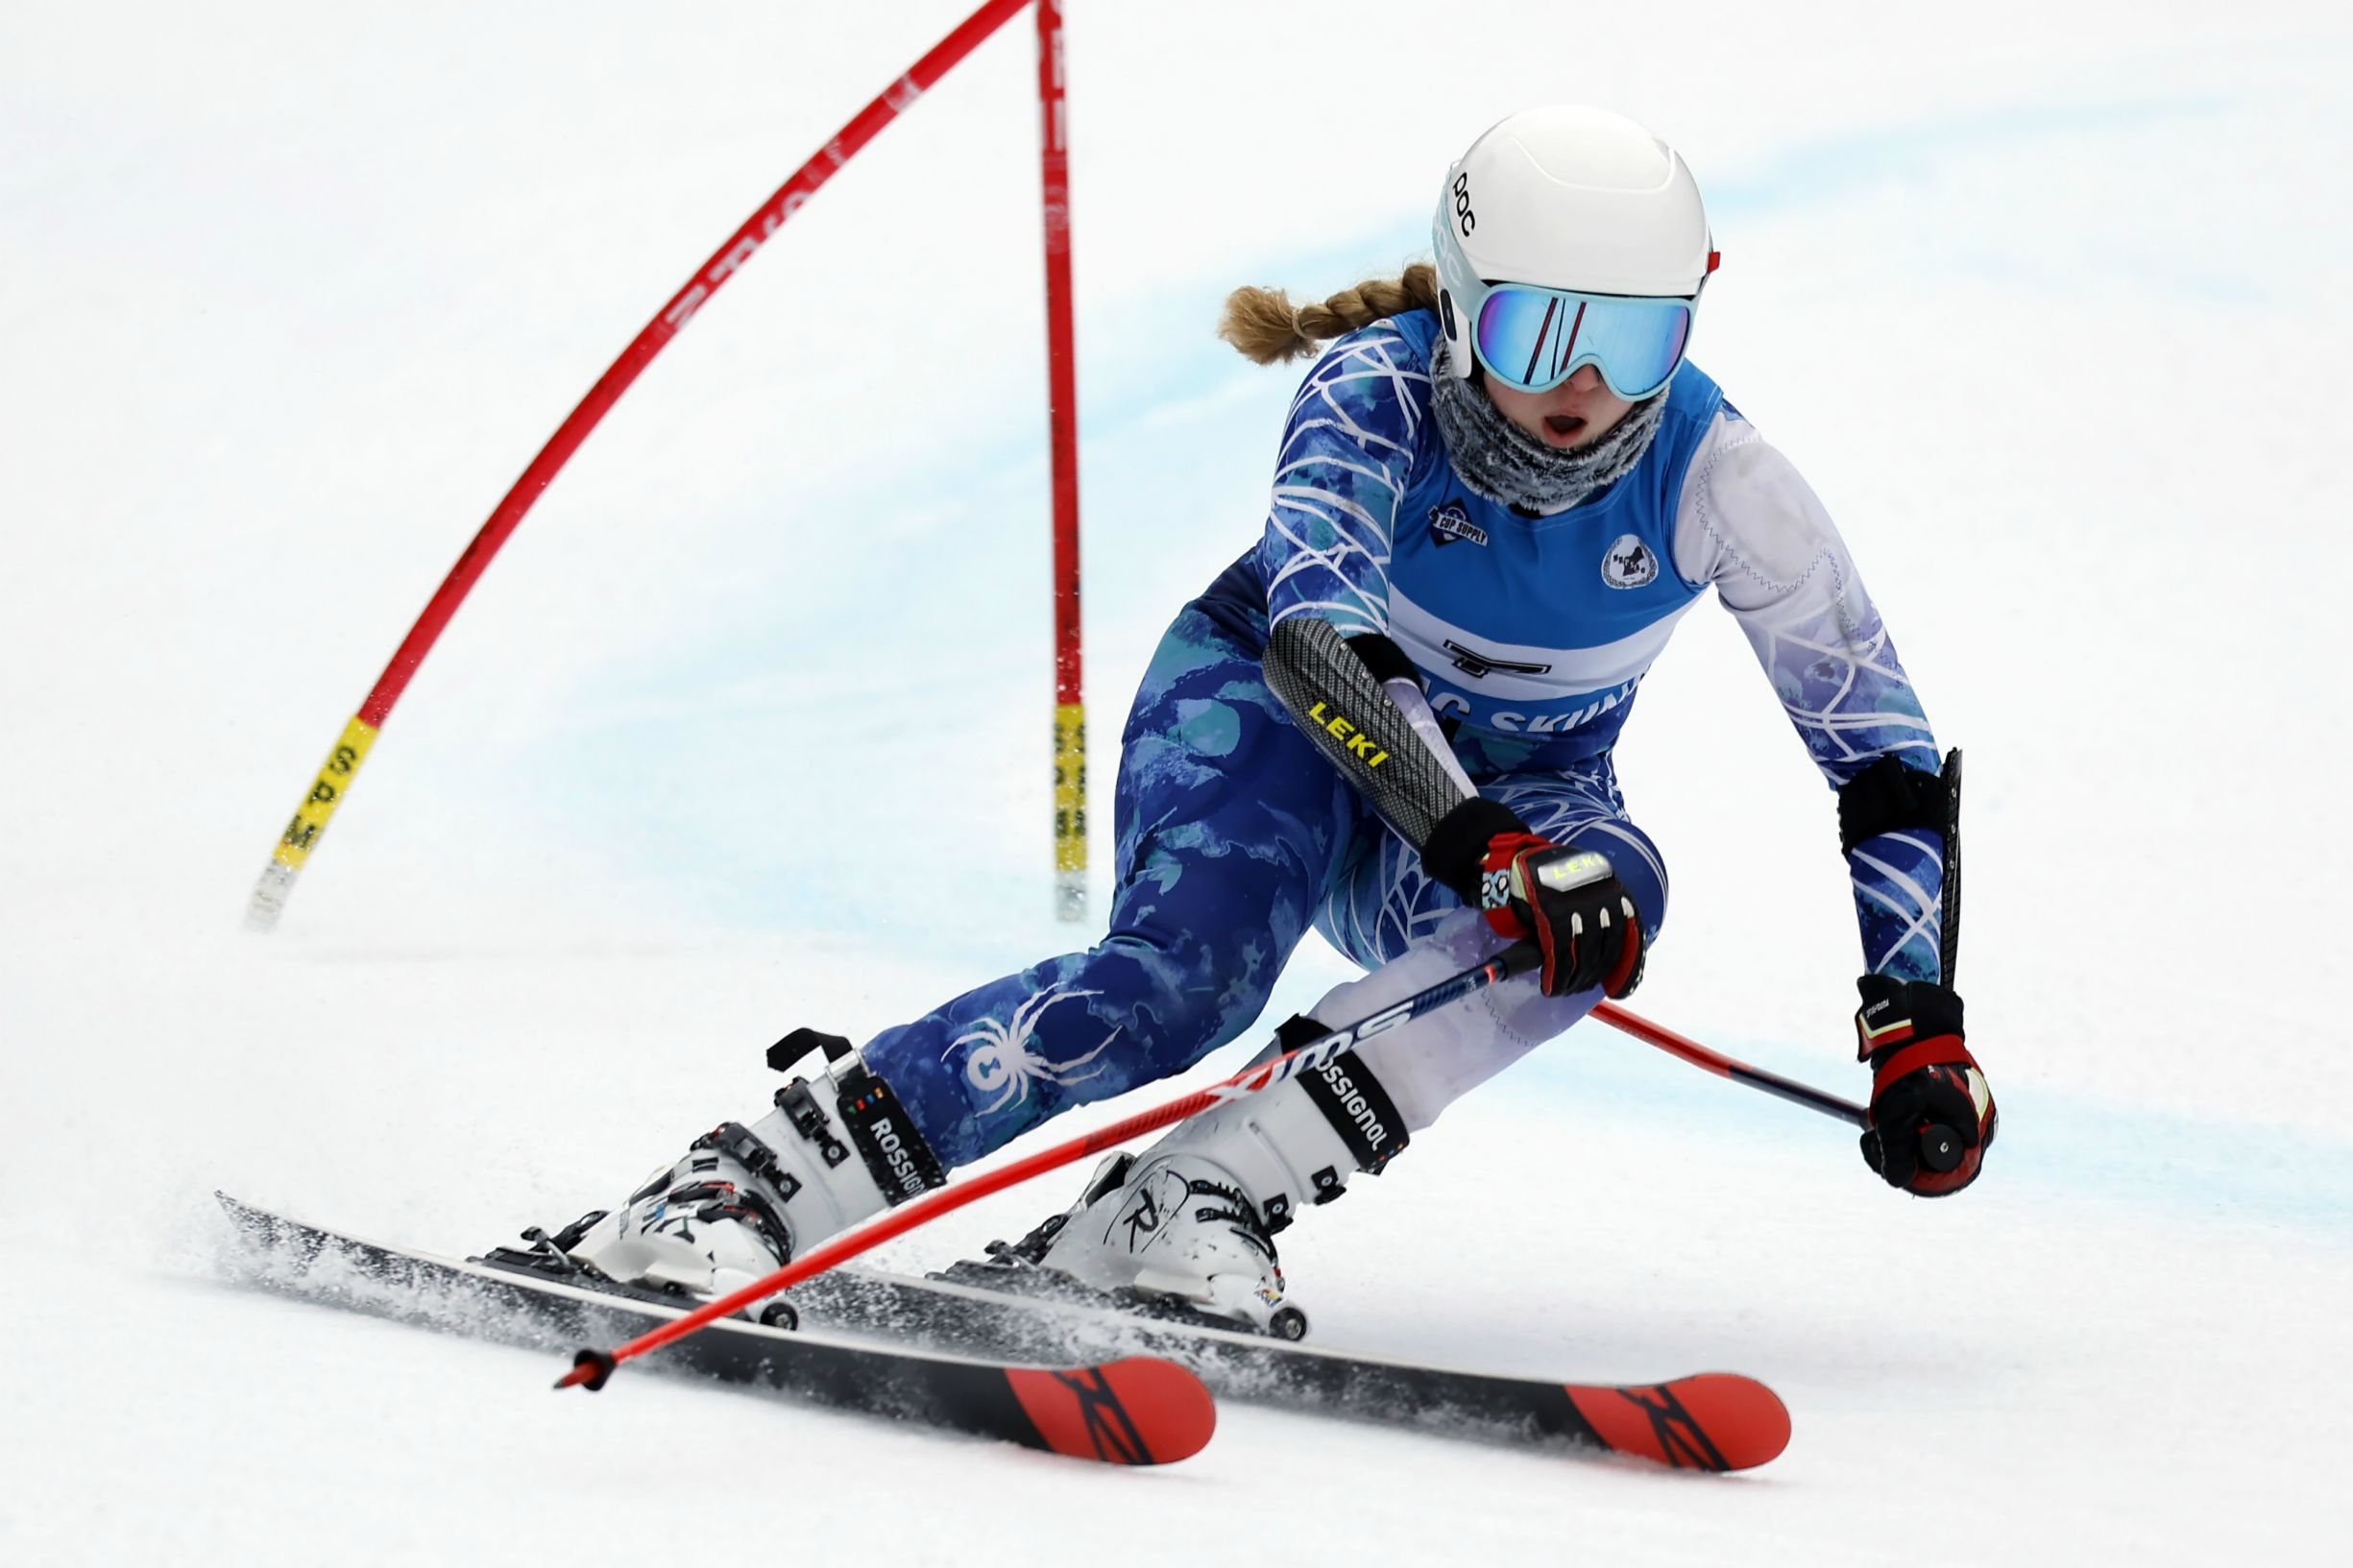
(1567, 898)
(1932, 1116)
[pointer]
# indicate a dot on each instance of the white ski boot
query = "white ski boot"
(746, 1199)
(1192, 1219)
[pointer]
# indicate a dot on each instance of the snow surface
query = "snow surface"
(747, 729)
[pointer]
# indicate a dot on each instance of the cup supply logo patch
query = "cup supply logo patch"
(1451, 523)
(1630, 563)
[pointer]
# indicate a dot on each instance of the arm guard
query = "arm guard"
(1334, 696)
(1887, 797)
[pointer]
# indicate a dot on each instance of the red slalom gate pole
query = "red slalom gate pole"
(335, 776)
(592, 1367)
(1062, 419)
(1723, 1066)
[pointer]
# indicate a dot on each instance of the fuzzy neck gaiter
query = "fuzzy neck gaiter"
(1503, 463)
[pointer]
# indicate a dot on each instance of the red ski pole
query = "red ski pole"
(1940, 1149)
(592, 1367)
(1724, 1067)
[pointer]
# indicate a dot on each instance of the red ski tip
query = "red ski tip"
(1140, 1410)
(1713, 1421)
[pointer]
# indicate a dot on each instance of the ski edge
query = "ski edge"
(1715, 1421)
(1082, 1410)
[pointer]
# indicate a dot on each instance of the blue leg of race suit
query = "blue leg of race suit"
(1229, 830)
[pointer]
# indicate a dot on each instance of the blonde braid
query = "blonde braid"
(1267, 326)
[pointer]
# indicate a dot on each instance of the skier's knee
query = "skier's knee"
(1635, 860)
(1195, 993)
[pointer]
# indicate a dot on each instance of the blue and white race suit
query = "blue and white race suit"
(1532, 634)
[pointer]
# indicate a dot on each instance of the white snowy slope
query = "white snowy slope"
(746, 730)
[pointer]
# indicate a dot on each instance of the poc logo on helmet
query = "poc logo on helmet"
(1463, 218)
(1630, 563)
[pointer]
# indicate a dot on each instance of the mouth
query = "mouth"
(1563, 429)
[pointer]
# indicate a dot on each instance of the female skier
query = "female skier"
(1393, 719)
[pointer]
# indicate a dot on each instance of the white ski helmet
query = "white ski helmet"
(1569, 197)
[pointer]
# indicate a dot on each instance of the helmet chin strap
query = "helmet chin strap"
(1504, 464)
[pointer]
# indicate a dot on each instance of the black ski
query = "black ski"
(1128, 1410)
(1709, 1421)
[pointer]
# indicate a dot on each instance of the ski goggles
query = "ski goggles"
(1533, 339)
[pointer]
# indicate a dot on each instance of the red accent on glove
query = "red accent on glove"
(1945, 1058)
(1496, 875)
(1938, 1050)
(1941, 1183)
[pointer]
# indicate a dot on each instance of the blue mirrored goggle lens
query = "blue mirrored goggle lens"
(1534, 339)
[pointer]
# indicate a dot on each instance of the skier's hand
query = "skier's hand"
(1569, 900)
(1932, 1116)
